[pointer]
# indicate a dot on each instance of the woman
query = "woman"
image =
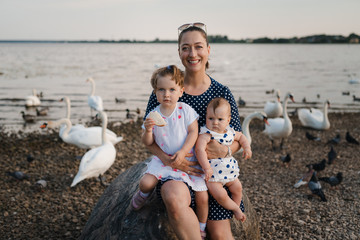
(200, 89)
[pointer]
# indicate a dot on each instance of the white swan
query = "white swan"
(68, 111)
(33, 100)
(82, 138)
(314, 118)
(280, 128)
(274, 109)
(98, 160)
(95, 102)
(245, 125)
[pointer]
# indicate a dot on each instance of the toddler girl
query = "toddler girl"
(176, 138)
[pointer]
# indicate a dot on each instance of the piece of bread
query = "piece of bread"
(159, 121)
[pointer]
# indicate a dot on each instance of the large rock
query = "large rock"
(113, 217)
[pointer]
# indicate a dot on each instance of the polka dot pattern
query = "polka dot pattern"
(200, 102)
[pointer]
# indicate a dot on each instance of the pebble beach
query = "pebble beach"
(58, 211)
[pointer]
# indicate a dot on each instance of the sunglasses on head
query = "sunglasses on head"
(188, 25)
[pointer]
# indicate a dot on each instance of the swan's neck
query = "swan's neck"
(68, 108)
(92, 88)
(285, 114)
(68, 124)
(34, 92)
(246, 124)
(104, 120)
(326, 119)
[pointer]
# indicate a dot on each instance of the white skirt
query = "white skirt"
(162, 172)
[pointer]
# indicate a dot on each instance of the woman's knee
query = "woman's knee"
(220, 230)
(176, 196)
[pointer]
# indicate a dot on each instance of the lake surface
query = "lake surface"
(313, 72)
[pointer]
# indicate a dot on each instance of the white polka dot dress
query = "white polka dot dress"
(225, 169)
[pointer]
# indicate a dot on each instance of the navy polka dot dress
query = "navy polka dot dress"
(199, 104)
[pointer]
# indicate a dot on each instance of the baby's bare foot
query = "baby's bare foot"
(239, 215)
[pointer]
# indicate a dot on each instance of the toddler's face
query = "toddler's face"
(218, 121)
(167, 91)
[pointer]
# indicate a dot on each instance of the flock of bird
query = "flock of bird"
(279, 128)
(100, 140)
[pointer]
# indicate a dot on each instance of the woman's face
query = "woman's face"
(194, 51)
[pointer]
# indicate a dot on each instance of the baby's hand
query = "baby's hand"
(247, 153)
(208, 173)
(149, 124)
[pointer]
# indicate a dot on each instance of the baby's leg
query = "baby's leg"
(235, 187)
(220, 194)
(202, 205)
(148, 183)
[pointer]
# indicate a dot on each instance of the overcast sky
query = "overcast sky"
(150, 19)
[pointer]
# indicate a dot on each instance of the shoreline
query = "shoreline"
(60, 212)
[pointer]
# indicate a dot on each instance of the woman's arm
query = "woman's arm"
(185, 166)
(216, 150)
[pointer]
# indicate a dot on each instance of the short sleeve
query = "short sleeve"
(190, 114)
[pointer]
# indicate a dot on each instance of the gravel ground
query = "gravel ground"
(60, 212)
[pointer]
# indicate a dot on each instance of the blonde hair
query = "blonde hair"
(176, 75)
(219, 101)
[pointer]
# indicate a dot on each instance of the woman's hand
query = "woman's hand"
(185, 165)
(214, 149)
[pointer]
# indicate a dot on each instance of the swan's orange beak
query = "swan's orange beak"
(266, 121)
(292, 98)
(44, 125)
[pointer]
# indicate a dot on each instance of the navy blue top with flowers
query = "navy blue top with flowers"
(199, 103)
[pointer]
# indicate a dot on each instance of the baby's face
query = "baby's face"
(218, 121)
(167, 92)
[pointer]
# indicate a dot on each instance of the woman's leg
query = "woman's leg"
(219, 230)
(183, 220)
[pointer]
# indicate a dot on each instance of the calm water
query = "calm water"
(123, 71)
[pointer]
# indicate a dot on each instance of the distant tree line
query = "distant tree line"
(352, 38)
(322, 38)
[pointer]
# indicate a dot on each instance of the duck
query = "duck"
(68, 111)
(245, 125)
(42, 111)
(280, 128)
(273, 109)
(120, 100)
(356, 99)
(28, 118)
(95, 102)
(98, 160)
(33, 100)
(314, 118)
(83, 137)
